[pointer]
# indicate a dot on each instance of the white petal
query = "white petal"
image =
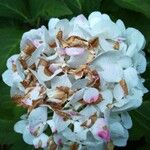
(82, 22)
(121, 25)
(52, 23)
(7, 77)
(106, 46)
(38, 115)
(76, 61)
(118, 92)
(125, 62)
(107, 66)
(94, 17)
(64, 26)
(126, 120)
(80, 131)
(131, 50)
(130, 75)
(58, 81)
(139, 61)
(79, 84)
(69, 135)
(60, 124)
(76, 96)
(12, 60)
(112, 73)
(88, 111)
(107, 99)
(20, 126)
(135, 36)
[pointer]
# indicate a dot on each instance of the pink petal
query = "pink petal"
(91, 95)
(72, 51)
(104, 135)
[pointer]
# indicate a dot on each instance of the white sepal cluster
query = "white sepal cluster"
(78, 79)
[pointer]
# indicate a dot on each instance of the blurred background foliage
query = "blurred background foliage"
(18, 16)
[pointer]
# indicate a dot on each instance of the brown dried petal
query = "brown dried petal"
(123, 84)
(14, 67)
(74, 146)
(76, 41)
(110, 146)
(29, 49)
(92, 120)
(116, 45)
(52, 145)
(93, 43)
(23, 63)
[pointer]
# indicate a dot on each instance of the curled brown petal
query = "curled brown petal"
(123, 84)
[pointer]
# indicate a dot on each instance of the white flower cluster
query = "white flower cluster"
(77, 79)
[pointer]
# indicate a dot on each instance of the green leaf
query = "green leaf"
(136, 5)
(141, 121)
(44, 10)
(88, 6)
(9, 41)
(56, 8)
(74, 5)
(14, 9)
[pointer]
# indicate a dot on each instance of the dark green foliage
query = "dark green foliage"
(18, 16)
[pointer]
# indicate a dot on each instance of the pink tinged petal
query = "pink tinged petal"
(53, 67)
(27, 101)
(59, 142)
(41, 141)
(100, 130)
(73, 51)
(105, 135)
(27, 136)
(61, 51)
(43, 77)
(91, 95)
(38, 129)
(52, 126)
(37, 43)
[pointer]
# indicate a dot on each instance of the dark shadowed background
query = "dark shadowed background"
(18, 16)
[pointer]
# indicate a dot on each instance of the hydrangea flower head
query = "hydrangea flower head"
(78, 78)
